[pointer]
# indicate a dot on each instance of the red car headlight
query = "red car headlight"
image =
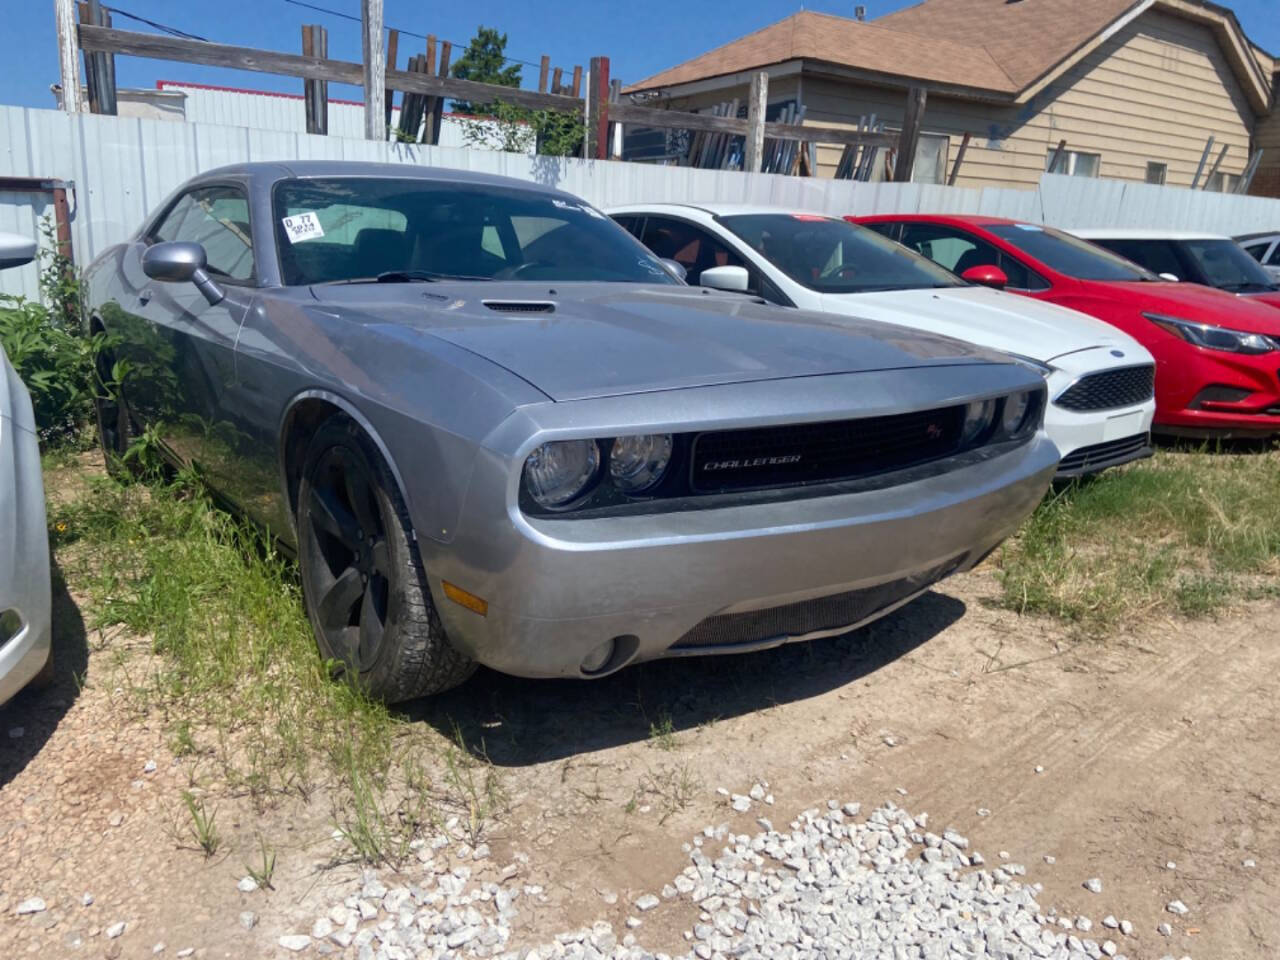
(1213, 337)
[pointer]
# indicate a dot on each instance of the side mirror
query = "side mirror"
(733, 279)
(180, 262)
(16, 250)
(987, 275)
(1171, 277)
(675, 267)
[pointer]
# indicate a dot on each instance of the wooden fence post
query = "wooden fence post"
(910, 138)
(757, 101)
(437, 111)
(375, 70)
(68, 59)
(597, 141)
(315, 43)
(393, 42)
(1059, 154)
(543, 67)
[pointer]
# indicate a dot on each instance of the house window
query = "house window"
(1222, 183)
(1074, 163)
(1156, 172)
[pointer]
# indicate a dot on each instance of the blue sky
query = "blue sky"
(639, 38)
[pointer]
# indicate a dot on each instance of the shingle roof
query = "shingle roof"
(1026, 37)
(845, 42)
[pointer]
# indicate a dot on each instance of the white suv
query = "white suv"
(817, 262)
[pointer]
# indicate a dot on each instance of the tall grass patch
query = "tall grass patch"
(1185, 532)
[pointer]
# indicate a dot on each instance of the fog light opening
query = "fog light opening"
(10, 625)
(610, 656)
(465, 599)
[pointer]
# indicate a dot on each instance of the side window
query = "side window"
(1258, 251)
(1274, 259)
(1020, 276)
(691, 247)
(218, 219)
(959, 251)
(1158, 256)
(629, 223)
(891, 230)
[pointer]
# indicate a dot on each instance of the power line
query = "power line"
(172, 31)
(408, 33)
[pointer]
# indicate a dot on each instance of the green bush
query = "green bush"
(47, 345)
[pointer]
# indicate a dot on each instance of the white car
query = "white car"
(25, 614)
(1101, 381)
(1265, 248)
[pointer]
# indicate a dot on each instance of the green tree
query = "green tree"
(483, 61)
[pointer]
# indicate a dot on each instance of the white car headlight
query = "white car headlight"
(638, 463)
(1213, 337)
(560, 471)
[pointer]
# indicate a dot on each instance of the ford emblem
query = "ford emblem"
(1117, 353)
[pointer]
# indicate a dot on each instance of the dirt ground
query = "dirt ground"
(1161, 744)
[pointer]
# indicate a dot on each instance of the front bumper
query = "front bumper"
(1093, 440)
(1212, 393)
(557, 590)
(24, 560)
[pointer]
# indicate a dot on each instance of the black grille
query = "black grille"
(809, 616)
(812, 453)
(1100, 455)
(1109, 389)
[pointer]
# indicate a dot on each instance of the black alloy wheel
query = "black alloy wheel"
(362, 576)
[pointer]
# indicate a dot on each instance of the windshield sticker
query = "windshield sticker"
(1029, 227)
(302, 226)
(811, 217)
(578, 208)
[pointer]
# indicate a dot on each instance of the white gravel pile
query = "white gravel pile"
(829, 886)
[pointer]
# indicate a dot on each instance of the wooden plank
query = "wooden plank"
(437, 104)
(108, 69)
(314, 92)
(955, 167)
(154, 47)
(597, 141)
(555, 80)
(393, 43)
(577, 81)
(677, 120)
(909, 141)
(87, 12)
(1216, 164)
(1204, 158)
(1059, 154)
(429, 103)
(543, 67)
(68, 60)
(374, 70)
(757, 102)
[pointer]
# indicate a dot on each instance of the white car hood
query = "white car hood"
(990, 318)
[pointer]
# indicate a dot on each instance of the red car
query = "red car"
(1217, 355)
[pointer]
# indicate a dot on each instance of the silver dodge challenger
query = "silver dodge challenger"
(495, 429)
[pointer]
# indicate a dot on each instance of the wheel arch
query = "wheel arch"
(302, 417)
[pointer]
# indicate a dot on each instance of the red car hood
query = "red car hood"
(1271, 299)
(1190, 301)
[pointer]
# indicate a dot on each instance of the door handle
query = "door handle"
(145, 296)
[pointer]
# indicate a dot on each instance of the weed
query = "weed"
(1184, 532)
(262, 874)
(662, 732)
(203, 824)
(183, 742)
(672, 787)
(476, 784)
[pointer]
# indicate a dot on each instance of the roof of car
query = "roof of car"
(1124, 233)
(278, 170)
(716, 209)
(971, 219)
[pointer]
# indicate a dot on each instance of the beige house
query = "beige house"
(1134, 87)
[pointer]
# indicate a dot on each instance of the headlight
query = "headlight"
(1215, 338)
(1014, 413)
(977, 418)
(637, 463)
(559, 472)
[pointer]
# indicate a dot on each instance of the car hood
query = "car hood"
(1271, 298)
(1199, 304)
(579, 341)
(991, 318)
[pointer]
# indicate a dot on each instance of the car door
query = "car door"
(183, 359)
(958, 250)
(696, 249)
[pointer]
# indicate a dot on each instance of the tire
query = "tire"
(363, 581)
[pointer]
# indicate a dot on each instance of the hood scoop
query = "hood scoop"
(520, 306)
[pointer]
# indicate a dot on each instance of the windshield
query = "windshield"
(1226, 265)
(835, 256)
(362, 228)
(1067, 254)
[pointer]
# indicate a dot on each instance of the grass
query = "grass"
(236, 675)
(662, 732)
(204, 828)
(1186, 532)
